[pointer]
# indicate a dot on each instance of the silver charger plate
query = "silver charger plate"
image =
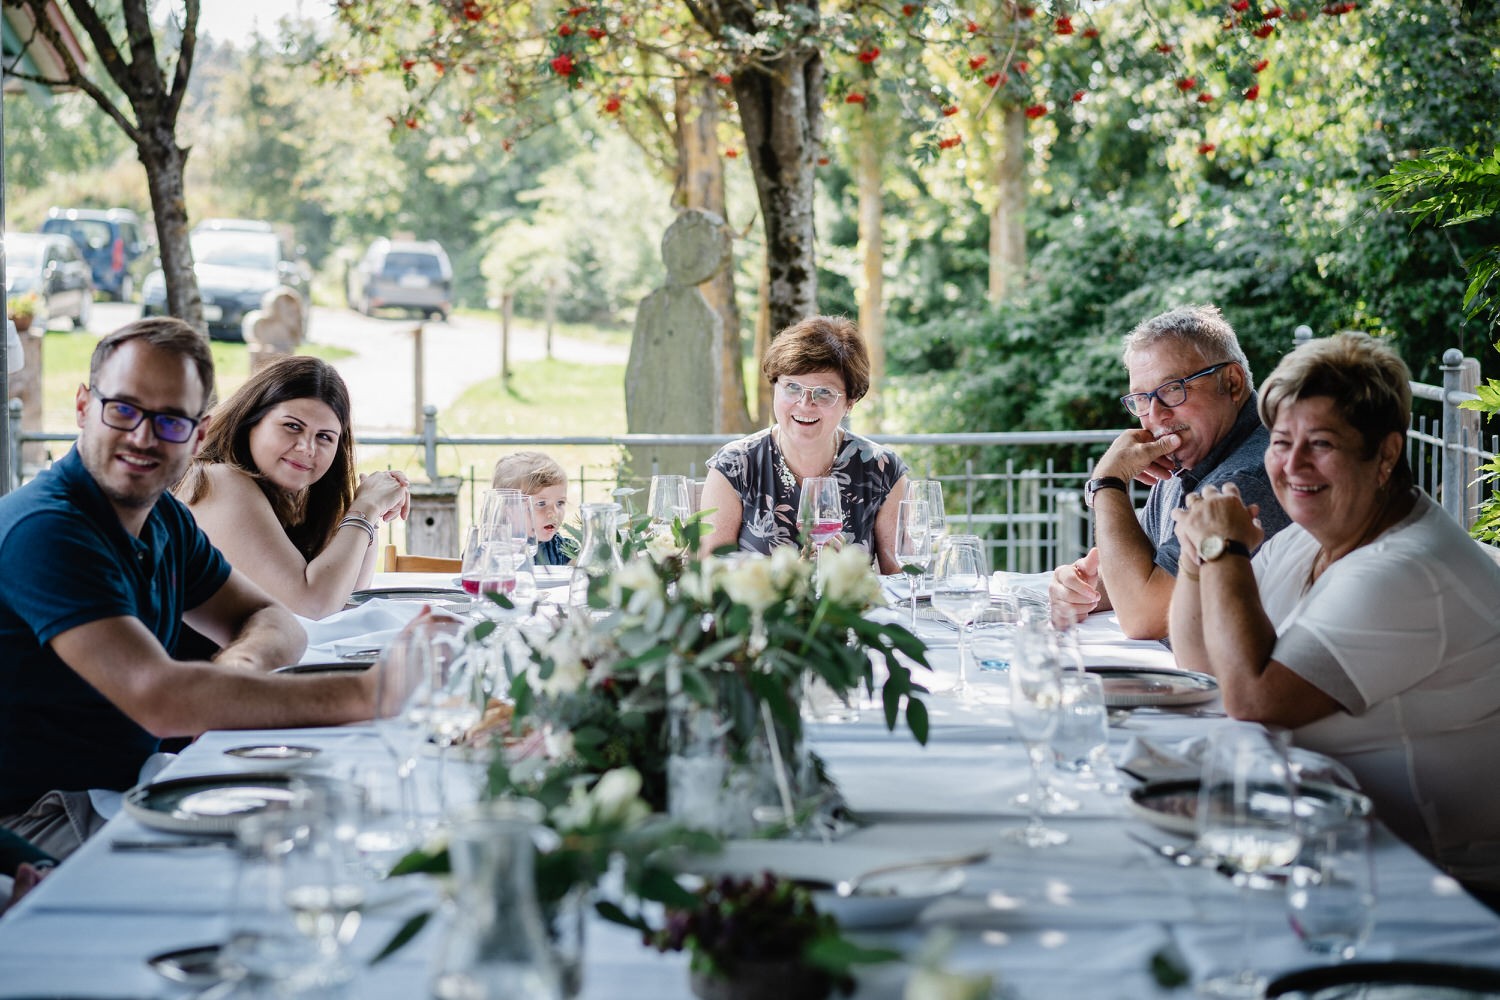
(1137, 687)
(331, 667)
(208, 804)
(408, 594)
(1173, 805)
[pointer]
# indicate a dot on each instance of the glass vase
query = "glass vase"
(497, 943)
(599, 553)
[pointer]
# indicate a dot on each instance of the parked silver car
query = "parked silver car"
(402, 274)
(50, 267)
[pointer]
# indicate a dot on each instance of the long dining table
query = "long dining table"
(1100, 916)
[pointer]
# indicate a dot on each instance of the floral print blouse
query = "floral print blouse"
(753, 465)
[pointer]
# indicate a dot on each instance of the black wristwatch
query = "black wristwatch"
(1214, 546)
(1102, 483)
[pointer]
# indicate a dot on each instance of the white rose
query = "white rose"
(644, 585)
(845, 576)
(569, 673)
(559, 743)
(661, 546)
(617, 797)
(936, 984)
(789, 571)
(752, 584)
(575, 814)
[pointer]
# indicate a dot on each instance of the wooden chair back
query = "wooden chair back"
(400, 563)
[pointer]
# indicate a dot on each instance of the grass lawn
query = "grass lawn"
(545, 398)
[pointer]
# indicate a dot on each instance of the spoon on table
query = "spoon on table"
(851, 886)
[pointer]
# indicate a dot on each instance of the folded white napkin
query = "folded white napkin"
(369, 626)
(1177, 760)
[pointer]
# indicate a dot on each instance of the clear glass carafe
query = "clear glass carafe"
(496, 947)
(600, 553)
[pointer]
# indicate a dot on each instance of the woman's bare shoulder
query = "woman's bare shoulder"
(220, 483)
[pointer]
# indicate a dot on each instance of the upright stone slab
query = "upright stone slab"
(276, 328)
(672, 379)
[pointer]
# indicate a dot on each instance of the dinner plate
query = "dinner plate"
(1173, 805)
(331, 667)
(1388, 981)
(1134, 687)
(212, 803)
(197, 966)
(408, 594)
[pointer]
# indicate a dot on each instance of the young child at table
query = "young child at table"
(544, 482)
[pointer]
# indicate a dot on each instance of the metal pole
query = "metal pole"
(1301, 335)
(5, 453)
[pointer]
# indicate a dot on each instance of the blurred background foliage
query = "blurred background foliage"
(1279, 225)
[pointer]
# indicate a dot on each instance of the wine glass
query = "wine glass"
(669, 501)
(400, 694)
(1081, 745)
(469, 565)
(455, 688)
(932, 491)
(1246, 820)
(1035, 711)
(913, 544)
(492, 507)
(497, 570)
(960, 591)
(821, 507)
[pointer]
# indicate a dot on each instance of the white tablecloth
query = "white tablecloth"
(1082, 920)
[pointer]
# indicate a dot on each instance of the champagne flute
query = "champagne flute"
(821, 506)
(1035, 711)
(960, 591)
(1246, 820)
(913, 544)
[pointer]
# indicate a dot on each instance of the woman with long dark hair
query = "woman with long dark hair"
(274, 487)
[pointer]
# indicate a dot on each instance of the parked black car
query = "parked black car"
(114, 243)
(236, 262)
(51, 268)
(402, 274)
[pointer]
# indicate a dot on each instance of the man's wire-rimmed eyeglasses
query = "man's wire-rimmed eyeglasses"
(821, 396)
(1170, 393)
(172, 428)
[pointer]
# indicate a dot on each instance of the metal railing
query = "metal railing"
(1031, 512)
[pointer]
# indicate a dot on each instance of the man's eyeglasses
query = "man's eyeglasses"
(821, 396)
(172, 428)
(1172, 392)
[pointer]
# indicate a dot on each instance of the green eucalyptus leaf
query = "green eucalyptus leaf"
(408, 930)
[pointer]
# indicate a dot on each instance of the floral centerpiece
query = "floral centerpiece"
(734, 633)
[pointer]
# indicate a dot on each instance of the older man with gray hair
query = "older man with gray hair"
(1191, 389)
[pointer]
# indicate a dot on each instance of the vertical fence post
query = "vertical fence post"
(418, 376)
(1072, 528)
(429, 442)
(1453, 464)
(1472, 438)
(1301, 335)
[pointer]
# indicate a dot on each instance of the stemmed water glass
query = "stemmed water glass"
(1246, 820)
(932, 491)
(960, 591)
(1035, 711)
(913, 544)
(821, 507)
(670, 501)
(1330, 894)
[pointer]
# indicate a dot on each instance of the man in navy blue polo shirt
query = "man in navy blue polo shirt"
(1191, 389)
(99, 568)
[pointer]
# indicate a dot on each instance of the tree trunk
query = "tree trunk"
(762, 341)
(872, 255)
(702, 186)
(1008, 221)
(781, 114)
(165, 162)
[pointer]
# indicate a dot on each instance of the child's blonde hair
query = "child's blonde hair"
(528, 471)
